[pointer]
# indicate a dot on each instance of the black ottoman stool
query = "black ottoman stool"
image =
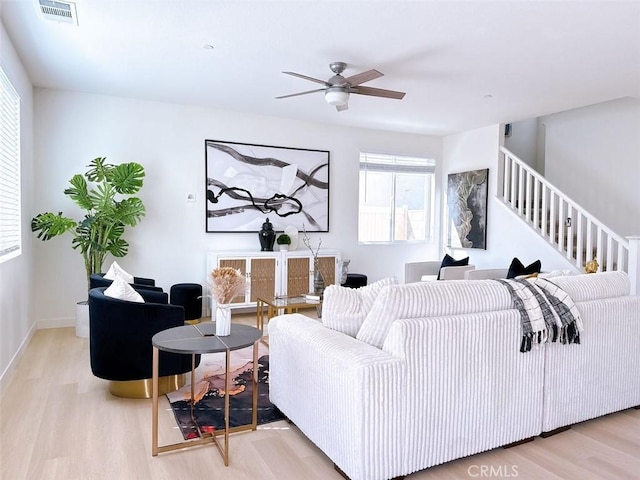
(189, 295)
(355, 280)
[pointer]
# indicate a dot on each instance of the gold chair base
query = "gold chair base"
(143, 388)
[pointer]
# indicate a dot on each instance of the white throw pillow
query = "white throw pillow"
(117, 270)
(121, 290)
(344, 309)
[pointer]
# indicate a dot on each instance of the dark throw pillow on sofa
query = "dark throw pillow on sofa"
(517, 268)
(449, 261)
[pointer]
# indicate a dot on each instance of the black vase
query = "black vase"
(267, 236)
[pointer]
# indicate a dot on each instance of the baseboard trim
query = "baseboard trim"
(62, 322)
(556, 431)
(7, 374)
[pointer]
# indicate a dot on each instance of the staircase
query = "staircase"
(569, 228)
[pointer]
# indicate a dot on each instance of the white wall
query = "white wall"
(16, 321)
(593, 155)
(507, 237)
(170, 244)
(523, 141)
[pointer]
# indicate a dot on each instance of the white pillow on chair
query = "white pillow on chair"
(116, 270)
(121, 290)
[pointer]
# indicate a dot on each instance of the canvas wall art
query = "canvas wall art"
(246, 184)
(467, 205)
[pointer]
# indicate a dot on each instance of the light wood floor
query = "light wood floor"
(59, 422)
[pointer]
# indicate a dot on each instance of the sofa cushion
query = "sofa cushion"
(121, 290)
(517, 268)
(117, 270)
(344, 309)
(449, 261)
(594, 286)
(430, 299)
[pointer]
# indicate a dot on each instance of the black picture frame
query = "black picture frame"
(467, 206)
(248, 183)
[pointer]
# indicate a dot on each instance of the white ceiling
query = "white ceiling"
(462, 65)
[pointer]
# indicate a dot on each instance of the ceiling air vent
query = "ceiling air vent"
(59, 11)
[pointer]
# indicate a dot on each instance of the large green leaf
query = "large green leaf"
(118, 248)
(116, 231)
(49, 225)
(130, 211)
(103, 198)
(79, 193)
(127, 178)
(98, 170)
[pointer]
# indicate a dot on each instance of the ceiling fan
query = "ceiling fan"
(337, 88)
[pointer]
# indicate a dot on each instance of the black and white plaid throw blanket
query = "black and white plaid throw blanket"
(547, 313)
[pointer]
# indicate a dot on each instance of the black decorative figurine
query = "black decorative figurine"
(267, 236)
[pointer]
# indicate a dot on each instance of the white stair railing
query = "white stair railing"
(576, 234)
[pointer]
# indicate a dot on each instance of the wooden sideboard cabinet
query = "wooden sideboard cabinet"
(276, 273)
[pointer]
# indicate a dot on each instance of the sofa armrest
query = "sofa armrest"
(414, 271)
(455, 272)
(359, 389)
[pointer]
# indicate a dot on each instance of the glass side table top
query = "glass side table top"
(292, 301)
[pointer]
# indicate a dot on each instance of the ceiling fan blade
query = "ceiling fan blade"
(341, 108)
(377, 92)
(301, 93)
(311, 79)
(359, 78)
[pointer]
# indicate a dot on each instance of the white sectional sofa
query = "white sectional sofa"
(602, 374)
(435, 373)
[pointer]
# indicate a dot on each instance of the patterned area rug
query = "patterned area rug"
(209, 393)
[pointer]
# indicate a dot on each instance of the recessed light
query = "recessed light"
(207, 46)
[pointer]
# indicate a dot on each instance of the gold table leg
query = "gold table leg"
(154, 403)
(205, 438)
(224, 450)
(256, 369)
(155, 448)
(260, 316)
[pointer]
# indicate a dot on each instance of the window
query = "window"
(396, 199)
(10, 238)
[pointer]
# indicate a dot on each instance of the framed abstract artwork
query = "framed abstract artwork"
(246, 184)
(467, 206)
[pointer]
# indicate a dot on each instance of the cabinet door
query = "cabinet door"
(298, 275)
(262, 275)
(263, 278)
(327, 267)
(238, 264)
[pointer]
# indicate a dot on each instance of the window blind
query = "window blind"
(10, 236)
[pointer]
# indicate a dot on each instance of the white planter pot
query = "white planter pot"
(284, 248)
(82, 319)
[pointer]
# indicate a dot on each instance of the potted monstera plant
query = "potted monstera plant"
(106, 193)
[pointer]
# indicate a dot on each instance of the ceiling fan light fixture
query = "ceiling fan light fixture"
(336, 96)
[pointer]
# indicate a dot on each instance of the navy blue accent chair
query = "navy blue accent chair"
(120, 336)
